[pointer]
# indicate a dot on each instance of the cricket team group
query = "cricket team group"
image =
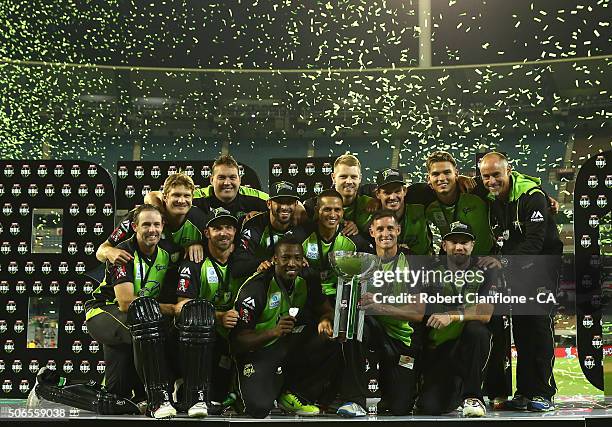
(219, 296)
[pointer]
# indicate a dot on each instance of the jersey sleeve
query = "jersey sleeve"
(535, 217)
(245, 259)
(362, 244)
(189, 280)
(122, 232)
(122, 273)
(250, 302)
(198, 217)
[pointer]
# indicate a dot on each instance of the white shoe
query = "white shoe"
(351, 410)
(198, 410)
(473, 408)
(165, 410)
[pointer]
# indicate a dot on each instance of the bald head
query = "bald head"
(495, 172)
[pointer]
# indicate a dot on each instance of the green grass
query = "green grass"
(569, 377)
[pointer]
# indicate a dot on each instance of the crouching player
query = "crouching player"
(213, 281)
(459, 343)
(275, 345)
(125, 316)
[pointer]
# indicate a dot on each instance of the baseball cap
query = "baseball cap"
(283, 189)
(218, 213)
(459, 228)
(389, 176)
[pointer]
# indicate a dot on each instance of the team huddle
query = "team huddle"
(224, 296)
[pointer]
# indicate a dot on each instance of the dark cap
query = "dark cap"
(283, 189)
(458, 228)
(219, 213)
(389, 176)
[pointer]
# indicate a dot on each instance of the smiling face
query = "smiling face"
(288, 261)
(385, 232)
(347, 180)
(391, 196)
(282, 209)
(220, 234)
(495, 173)
(148, 228)
(225, 181)
(178, 200)
(331, 212)
(442, 177)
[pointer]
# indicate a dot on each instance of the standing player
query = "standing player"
(184, 223)
(459, 343)
(347, 180)
(523, 225)
(260, 233)
(391, 191)
(276, 352)
(213, 280)
(387, 331)
(224, 191)
(144, 275)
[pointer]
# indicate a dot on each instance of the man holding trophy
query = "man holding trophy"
(386, 329)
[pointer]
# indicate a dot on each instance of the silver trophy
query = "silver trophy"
(354, 269)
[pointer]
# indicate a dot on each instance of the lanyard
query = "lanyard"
(144, 275)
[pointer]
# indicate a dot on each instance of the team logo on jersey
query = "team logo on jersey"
(120, 271)
(537, 216)
(275, 300)
(249, 302)
(312, 251)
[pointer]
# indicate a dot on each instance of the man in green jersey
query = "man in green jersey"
(144, 275)
(391, 191)
(260, 233)
(325, 236)
(214, 280)
(387, 331)
(183, 227)
(346, 179)
(458, 343)
(224, 191)
(276, 347)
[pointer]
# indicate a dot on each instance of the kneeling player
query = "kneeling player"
(275, 345)
(459, 343)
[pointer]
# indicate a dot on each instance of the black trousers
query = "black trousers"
(398, 365)
(109, 328)
(534, 340)
(295, 363)
(222, 370)
(498, 382)
(455, 370)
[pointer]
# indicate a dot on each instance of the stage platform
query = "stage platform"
(570, 412)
